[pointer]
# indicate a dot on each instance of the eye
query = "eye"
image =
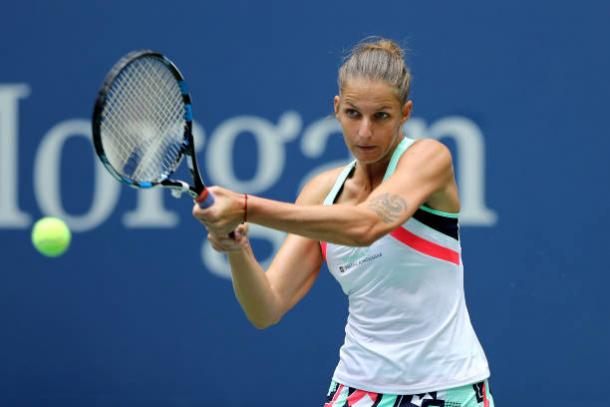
(382, 116)
(352, 113)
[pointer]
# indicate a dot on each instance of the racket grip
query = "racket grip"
(205, 199)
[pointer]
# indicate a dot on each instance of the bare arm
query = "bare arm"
(266, 296)
(424, 170)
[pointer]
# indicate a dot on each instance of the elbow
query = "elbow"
(368, 229)
(366, 235)
(366, 240)
(263, 323)
(263, 313)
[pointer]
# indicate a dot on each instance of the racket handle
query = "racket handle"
(205, 199)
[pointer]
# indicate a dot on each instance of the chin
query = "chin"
(368, 158)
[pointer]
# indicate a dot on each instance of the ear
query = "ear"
(406, 111)
(336, 102)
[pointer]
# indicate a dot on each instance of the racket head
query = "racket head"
(142, 121)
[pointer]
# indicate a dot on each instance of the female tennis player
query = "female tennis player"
(387, 226)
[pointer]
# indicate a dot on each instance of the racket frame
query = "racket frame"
(197, 190)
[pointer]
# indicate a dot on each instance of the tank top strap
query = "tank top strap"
(398, 152)
(332, 195)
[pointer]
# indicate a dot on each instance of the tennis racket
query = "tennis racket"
(142, 125)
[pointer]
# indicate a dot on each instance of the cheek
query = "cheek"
(347, 127)
(397, 126)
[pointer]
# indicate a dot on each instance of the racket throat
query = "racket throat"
(178, 188)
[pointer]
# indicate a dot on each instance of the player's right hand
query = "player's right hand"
(225, 215)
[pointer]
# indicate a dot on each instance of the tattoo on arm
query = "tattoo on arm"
(388, 207)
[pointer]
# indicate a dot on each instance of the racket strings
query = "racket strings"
(153, 123)
(143, 121)
(172, 108)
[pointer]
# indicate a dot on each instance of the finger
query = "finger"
(197, 211)
(218, 234)
(219, 247)
(217, 239)
(212, 240)
(201, 213)
(223, 242)
(227, 242)
(242, 229)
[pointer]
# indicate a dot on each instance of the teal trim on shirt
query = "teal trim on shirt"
(398, 152)
(453, 215)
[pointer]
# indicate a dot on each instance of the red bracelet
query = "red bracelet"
(245, 208)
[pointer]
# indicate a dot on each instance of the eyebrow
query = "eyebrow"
(384, 107)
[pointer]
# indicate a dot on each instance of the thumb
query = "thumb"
(241, 232)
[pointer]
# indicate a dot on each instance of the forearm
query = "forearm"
(252, 289)
(340, 224)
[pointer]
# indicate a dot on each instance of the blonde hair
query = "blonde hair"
(377, 58)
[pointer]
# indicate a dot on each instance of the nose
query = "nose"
(365, 128)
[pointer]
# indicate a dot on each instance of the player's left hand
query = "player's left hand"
(225, 215)
(224, 243)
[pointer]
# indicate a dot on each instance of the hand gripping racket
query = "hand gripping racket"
(142, 125)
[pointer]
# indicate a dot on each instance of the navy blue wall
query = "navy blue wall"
(518, 90)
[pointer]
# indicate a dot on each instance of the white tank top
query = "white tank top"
(408, 329)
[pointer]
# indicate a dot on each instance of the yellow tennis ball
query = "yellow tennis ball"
(51, 236)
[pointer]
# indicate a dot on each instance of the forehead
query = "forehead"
(368, 92)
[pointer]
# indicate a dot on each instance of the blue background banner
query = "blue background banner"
(140, 311)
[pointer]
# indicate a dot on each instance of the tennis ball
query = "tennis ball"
(51, 236)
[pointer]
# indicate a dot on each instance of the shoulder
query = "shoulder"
(316, 189)
(427, 153)
(427, 162)
(429, 147)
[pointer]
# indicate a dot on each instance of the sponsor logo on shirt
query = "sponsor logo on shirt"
(367, 259)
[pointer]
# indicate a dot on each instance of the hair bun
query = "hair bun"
(382, 44)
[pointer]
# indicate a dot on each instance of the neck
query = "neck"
(370, 175)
